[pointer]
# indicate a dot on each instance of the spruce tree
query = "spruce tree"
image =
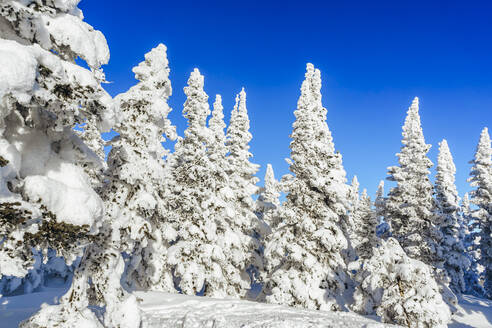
(304, 257)
(399, 289)
(50, 174)
(209, 254)
(471, 232)
(243, 184)
(481, 197)
(409, 207)
(136, 173)
(216, 145)
(448, 211)
(353, 199)
(365, 224)
(383, 230)
(268, 202)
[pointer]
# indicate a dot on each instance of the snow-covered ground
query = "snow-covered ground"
(166, 310)
(473, 312)
(169, 310)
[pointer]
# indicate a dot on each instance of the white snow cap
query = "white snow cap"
(196, 79)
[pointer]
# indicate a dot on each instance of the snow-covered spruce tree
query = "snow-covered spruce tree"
(448, 211)
(198, 201)
(216, 145)
(365, 222)
(353, 193)
(304, 257)
(471, 242)
(131, 197)
(268, 201)
(383, 229)
(409, 207)
(362, 221)
(353, 198)
(136, 173)
(47, 200)
(481, 197)
(243, 185)
(399, 289)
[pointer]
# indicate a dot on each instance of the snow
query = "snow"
(174, 310)
(86, 42)
(14, 309)
(19, 69)
(62, 187)
(473, 312)
(168, 310)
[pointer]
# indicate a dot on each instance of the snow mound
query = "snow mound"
(171, 310)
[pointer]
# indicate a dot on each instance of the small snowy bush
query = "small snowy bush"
(399, 289)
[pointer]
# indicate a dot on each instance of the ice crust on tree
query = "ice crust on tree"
(399, 289)
(448, 211)
(304, 261)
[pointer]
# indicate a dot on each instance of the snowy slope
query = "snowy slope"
(169, 310)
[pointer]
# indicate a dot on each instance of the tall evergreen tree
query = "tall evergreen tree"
(410, 205)
(243, 181)
(304, 258)
(209, 254)
(448, 211)
(189, 197)
(481, 197)
(50, 174)
(216, 145)
(136, 172)
(242, 171)
(471, 232)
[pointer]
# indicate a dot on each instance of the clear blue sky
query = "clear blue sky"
(374, 58)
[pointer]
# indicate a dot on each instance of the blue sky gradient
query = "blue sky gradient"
(374, 58)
